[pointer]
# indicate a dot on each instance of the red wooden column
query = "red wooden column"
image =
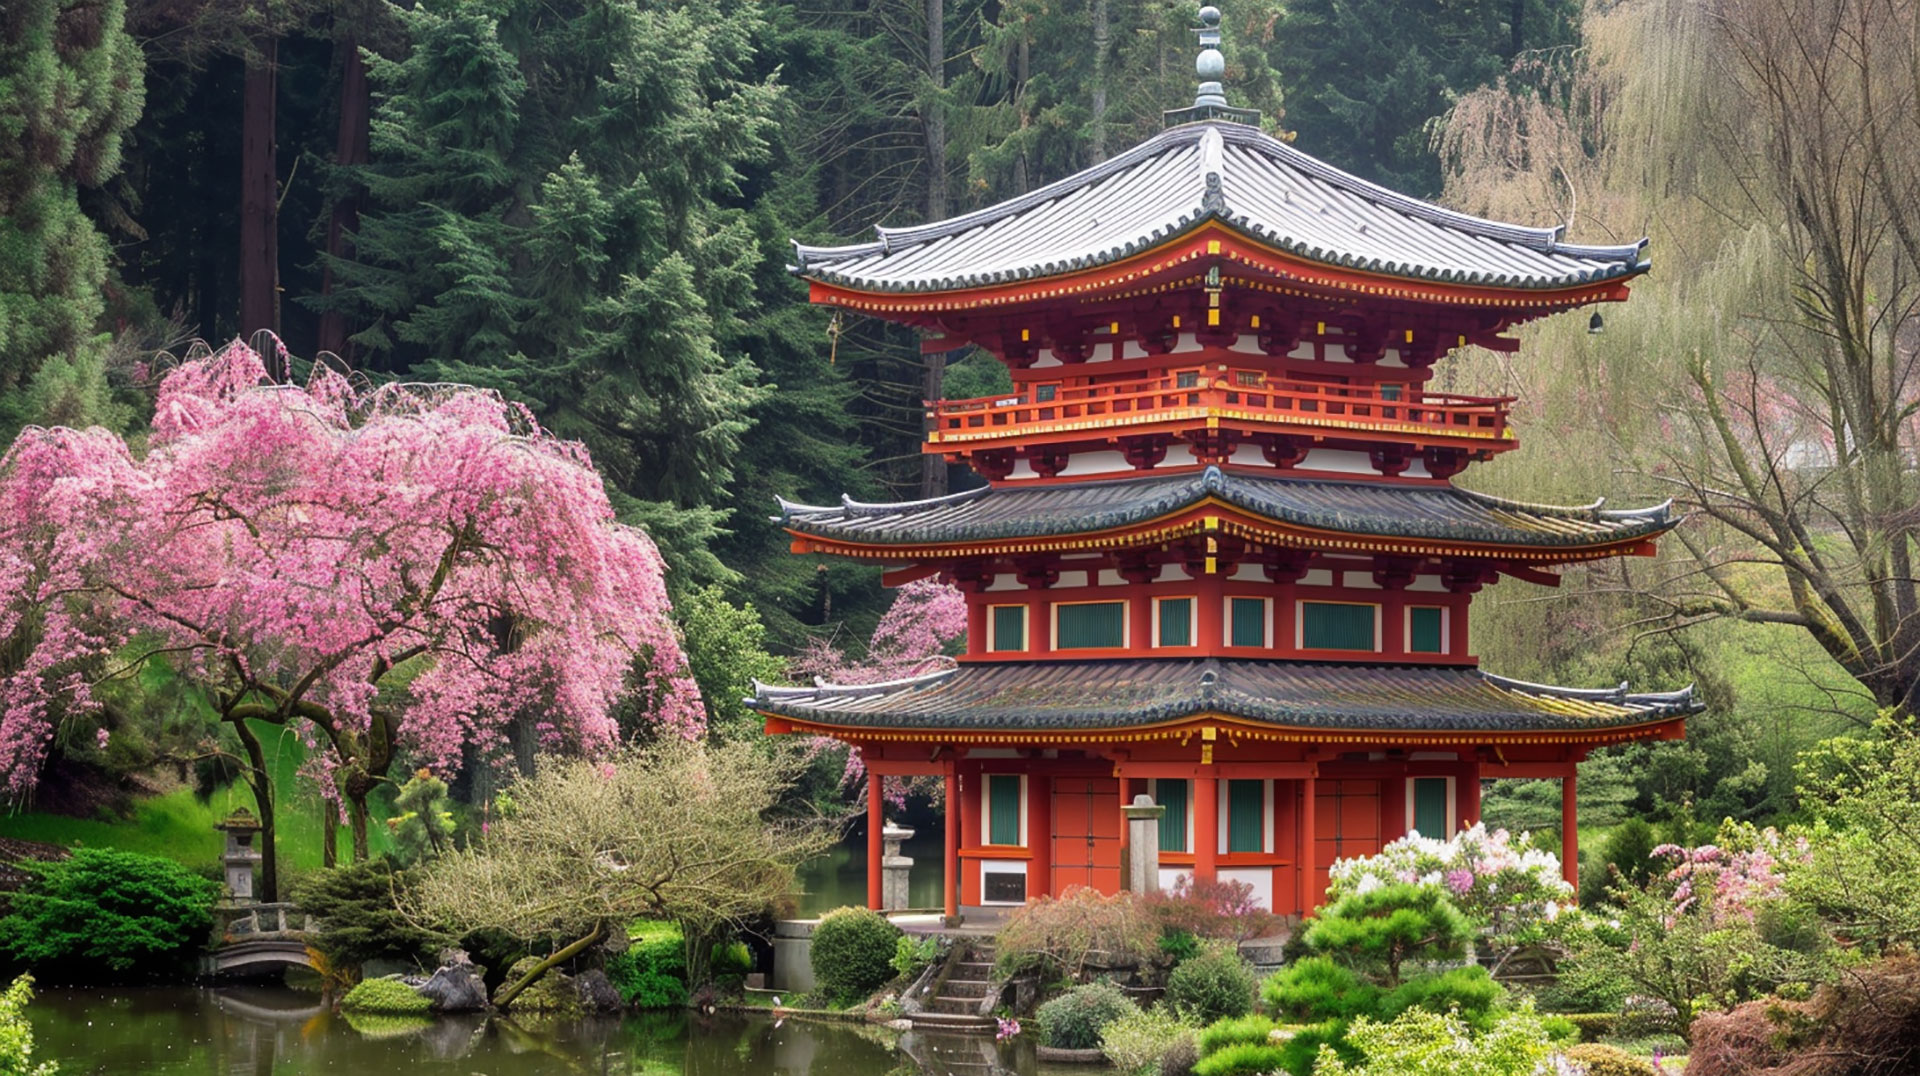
(1206, 827)
(876, 823)
(1570, 830)
(1039, 834)
(1309, 839)
(952, 884)
(1466, 794)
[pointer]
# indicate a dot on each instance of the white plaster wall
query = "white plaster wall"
(1259, 878)
(1001, 866)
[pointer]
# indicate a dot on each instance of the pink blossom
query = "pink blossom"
(422, 556)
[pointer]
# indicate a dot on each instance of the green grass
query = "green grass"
(179, 826)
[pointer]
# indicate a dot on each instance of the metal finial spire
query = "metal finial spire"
(1210, 102)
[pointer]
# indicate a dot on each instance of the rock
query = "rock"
(596, 992)
(456, 988)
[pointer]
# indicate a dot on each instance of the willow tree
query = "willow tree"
(681, 831)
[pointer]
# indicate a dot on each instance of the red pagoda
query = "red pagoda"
(1219, 558)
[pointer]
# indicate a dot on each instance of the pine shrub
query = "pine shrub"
(1319, 988)
(387, 997)
(1215, 985)
(853, 953)
(1469, 992)
(1240, 1031)
(1243, 1059)
(1076, 1019)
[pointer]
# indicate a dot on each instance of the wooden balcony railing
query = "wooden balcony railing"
(1177, 399)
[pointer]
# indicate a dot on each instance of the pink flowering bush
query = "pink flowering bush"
(1501, 882)
(390, 569)
(1730, 882)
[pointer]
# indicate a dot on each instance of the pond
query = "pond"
(277, 1031)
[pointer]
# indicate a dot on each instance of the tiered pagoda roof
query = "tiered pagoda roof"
(1239, 177)
(1306, 509)
(1144, 699)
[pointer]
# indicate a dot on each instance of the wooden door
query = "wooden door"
(1346, 822)
(1086, 833)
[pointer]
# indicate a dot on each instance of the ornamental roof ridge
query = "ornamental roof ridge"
(1659, 513)
(1241, 177)
(1621, 694)
(821, 686)
(853, 507)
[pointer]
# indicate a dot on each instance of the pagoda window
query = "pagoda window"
(1246, 816)
(1247, 622)
(1339, 626)
(1430, 806)
(1005, 793)
(1391, 392)
(1186, 379)
(1426, 629)
(1045, 393)
(1173, 622)
(1173, 793)
(1006, 628)
(1089, 625)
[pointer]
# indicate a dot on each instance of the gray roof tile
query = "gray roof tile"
(1223, 171)
(1380, 509)
(1067, 695)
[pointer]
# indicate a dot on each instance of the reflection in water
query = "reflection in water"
(274, 1031)
(838, 876)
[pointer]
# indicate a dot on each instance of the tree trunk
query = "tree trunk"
(260, 779)
(259, 195)
(1022, 71)
(357, 789)
(933, 465)
(573, 949)
(1097, 120)
(350, 148)
(1518, 24)
(329, 833)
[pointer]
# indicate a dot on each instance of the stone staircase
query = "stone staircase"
(961, 994)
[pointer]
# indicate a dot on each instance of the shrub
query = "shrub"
(360, 917)
(1504, 885)
(1180, 1059)
(1625, 858)
(1468, 992)
(853, 952)
(651, 973)
(107, 914)
(16, 1033)
(1214, 985)
(1866, 1021)
(1064, 937)
(1255, 1044)
(1217, 910)
(1179, 945)
(388, 997)
(730, 962)
(1600, 1060)
(1421, 1043)
(1239, 1031)
(1319, 988)
(1385, 927)
(1076, 1019)
(1243, 1059)
(1138, 1042)
(911, 957)
(1734, 1043)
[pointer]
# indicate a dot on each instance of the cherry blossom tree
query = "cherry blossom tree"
(911, 638)
(404, 568)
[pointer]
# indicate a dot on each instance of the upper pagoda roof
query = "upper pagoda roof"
(1076, 696)
(1383, 509)
(1214, 171)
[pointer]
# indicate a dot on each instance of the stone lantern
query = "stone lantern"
(897, 868)
(240, 857)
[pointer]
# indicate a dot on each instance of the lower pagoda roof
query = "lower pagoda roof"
(1029, 697)
(1373, 508)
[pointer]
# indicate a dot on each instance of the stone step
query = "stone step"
(965, 988)
(940, 1021)
(956, 1006)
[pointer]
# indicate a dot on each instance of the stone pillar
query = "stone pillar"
(895, 867)
(1143, 844)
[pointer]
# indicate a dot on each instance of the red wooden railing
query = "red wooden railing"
(1165, 399)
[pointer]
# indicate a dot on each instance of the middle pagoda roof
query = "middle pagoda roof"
(1246, 182)
(1425, 519)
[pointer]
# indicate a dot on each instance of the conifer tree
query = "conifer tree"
(71, 84)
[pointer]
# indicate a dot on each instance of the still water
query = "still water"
(276, 1031)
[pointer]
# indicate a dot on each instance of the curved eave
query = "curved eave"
(1666, 727)
(1211, 236)
(1213, 514)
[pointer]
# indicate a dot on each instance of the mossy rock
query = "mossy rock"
(373, 1025)
(386, 997)
(552, 994)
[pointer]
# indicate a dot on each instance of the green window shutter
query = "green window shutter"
(1328, 626)
(1249, 622)
(1430, 807)
(1009, 627)
(1003, 809)
(1173, 824)
(1091, 624)
(1176, 621)
(1246, 826)
(1423, 630)
(1390, 392)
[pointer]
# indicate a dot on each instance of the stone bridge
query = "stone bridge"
(258, 939)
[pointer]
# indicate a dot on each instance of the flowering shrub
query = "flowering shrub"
(1502, 883)
(1223, 910)
(1004, 1029)
(1734, 878)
